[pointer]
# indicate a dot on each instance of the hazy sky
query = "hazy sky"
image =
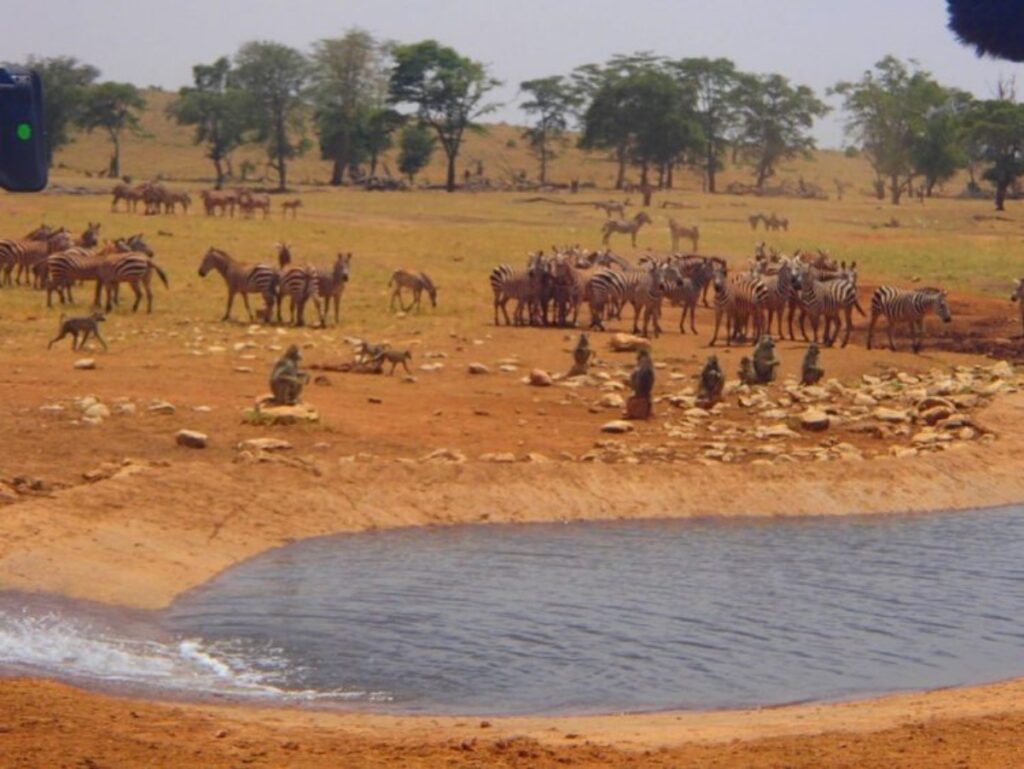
(813, 42)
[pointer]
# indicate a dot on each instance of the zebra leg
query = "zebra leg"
(888, 328)
(849, 325)
(871, 328)
(916, 334)
(138, 295)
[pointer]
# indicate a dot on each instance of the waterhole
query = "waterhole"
(577, 618)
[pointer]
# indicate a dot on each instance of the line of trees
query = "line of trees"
(363, 97)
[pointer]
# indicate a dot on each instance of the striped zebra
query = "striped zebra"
(605, 290)
(68, 267)
(522, 285)
(26, 255)
(833, 300)
(331, 284)
(416, 282)
(645, 290)
(569, 288)
(1018, 297)
(781, 292)
(687, 290)
(242, 278)
(134, 268)
(300, 283)
(901, 306)
(740, 299)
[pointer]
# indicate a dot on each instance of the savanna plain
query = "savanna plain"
(114, 510)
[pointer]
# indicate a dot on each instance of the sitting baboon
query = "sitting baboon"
(642, 382)
(581, 356)
(810, 372)
(746, 372)
(86, 326)
(765, 361)
(711, 384)
(286, 381)
(394, 357)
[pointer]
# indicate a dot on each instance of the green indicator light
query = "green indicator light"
(24, 131)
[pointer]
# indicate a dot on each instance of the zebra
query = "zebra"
(242, 278)
(612, 206)
(900, 305)
(569, 288)
(781, 290)
(225, 200)
(508, 282)
(27, 254)
(300, 284)
(417, 283)
(605, 290)
(738, 298)
(645, 289)
(133, 268)
(677, 231)
(248, 203)
(1018, 296)
(90, 236)
(630, 226)
(686, 291)
(331, 284)
(65, 268)
(828, 299)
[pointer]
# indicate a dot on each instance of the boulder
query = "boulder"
(191, 439)
(478, 368)
(815, 420)
(264, 444)
(540, 378)
(628, 343)
(617, 427)
(97, 411)
(85, 364)
(161, 407)
(611, 401)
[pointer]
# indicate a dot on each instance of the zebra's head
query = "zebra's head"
(1018, 290)
(848, 272)
(942, 306)
(341, 267)
(211, 260)
(137, 243)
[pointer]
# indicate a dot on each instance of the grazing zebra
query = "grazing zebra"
(828, 299)
(630, 226)
(755, 219)
(248, 203)
(224, 200)
(417, 283)
(677, 231)
(613, 206)
(290, 205)
(174, 199)
(687, 290)
(899, 305)
(242, 278)
(739, 299)
(28, 254)
(134, 268)
(605, 291)
(1018, 296)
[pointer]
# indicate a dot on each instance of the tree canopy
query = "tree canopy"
(114, 108)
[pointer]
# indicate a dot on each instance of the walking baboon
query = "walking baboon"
(86, 326)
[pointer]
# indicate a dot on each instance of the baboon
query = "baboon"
(86, 326)
(581, 356)
(394, 357)
(810, 372)
(711, 384)
(286, 381)
(765, 361)
(746, 372)
(642, 382)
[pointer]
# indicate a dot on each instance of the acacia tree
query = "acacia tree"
(273, 77)
(887, 111)
(939, 152)
(66, 83)
(996, 129)
(552, 101)
(775, 122)
(350, 89)
(417, 145)
(216, 109)
(114, 108)
(447, 91)
(714, 83)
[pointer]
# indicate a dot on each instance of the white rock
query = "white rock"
(191, 439)
(540, 378)
(890, 415)
(85, 364)
(161, 407)
(264, 444)
(611, 401)
(815, 420)
(478, 368)
(97, 411)
(617, 427)
(501, 458)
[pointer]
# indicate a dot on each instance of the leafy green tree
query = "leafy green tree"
(939, 152)
(274, 77)
(447, 90)
(715, 84)
(552, 101)
(887, 111)
(374, 136)
(114, 108)
(775, 122)
(65, 83)
(996, 129)
(417, 145)
(216, 109)
(350, 89)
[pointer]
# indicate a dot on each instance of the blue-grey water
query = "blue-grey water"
(585, 617)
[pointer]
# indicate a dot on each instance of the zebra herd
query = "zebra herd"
(807, 288)
(51, 260)
(156, 199)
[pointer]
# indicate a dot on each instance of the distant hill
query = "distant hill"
(168, 152)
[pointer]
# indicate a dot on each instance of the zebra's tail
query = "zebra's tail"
(161, 274)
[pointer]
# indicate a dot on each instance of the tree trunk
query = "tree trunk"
(543, 163)
(661, 176)
(220, 173)
(896, 189)
(1001, 188)
(337, 173)
(282, 146)
(668, 176)
(620, 178)
(880, 188)
(710, 169)
(115, 158)
(373, 163)
(450, 183)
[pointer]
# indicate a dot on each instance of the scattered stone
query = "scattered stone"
(508, 368)
(93, 421)
(628, 343)
(890, 415)
(125, 409)
(191, 439)
(1003, 369)
(267, 413)
(161, 407)
(264, 444)
(540, 378)
(7, 493)
(617, 426)
(863, 399)
(611, 401)
(85, 364)
(444, 455)
(243, 369)
(97, 411)
(52, 408)
(536, 457)
(502, 458)
(478, 368)
(815, 420)
(431, 367)
(774, 431)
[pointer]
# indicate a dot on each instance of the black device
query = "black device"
(22, 132)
